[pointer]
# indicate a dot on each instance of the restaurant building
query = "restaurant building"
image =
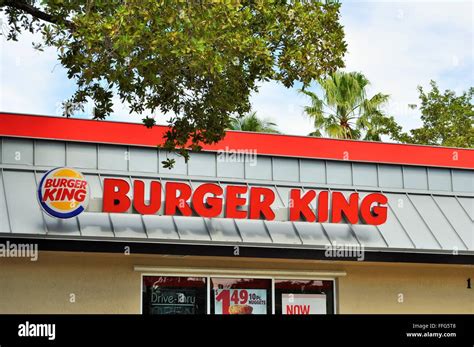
(258, 223)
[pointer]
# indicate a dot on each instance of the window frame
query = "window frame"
(170, 275)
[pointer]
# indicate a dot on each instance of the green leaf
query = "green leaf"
(168, 163)
(149, 122)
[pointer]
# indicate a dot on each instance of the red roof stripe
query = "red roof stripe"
(71, 129)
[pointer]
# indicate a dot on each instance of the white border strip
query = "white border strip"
(201, 271)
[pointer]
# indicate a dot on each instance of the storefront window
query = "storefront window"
(241, 296)
(304, 297)
(174, 295)
(190, 295)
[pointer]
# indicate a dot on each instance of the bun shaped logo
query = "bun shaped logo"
(63, 192)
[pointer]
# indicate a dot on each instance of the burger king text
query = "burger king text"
(240, 201)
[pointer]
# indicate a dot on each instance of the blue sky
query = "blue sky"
(397, 45)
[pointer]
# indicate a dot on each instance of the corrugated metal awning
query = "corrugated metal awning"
(423, 223)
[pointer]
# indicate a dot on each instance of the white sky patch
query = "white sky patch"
(282, 106)
(31, 81)
(397, 45)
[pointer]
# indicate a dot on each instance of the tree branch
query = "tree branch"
(35, 12)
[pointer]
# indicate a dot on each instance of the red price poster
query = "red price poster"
(303, 303)
(240, 301)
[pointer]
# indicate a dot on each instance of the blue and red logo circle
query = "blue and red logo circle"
(63, 192)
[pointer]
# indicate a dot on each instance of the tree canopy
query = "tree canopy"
(345, 111)
(196, 61)
(448, 119)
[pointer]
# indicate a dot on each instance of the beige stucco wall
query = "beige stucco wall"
(108, 283)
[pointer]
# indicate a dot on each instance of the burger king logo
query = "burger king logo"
(63, 192)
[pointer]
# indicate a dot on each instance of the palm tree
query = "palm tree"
(345, 112)
(251, 122)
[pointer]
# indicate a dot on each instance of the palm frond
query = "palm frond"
(251, 122)
(345, 111)
(316, 133)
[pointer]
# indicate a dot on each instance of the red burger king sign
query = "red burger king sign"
(63, 192)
